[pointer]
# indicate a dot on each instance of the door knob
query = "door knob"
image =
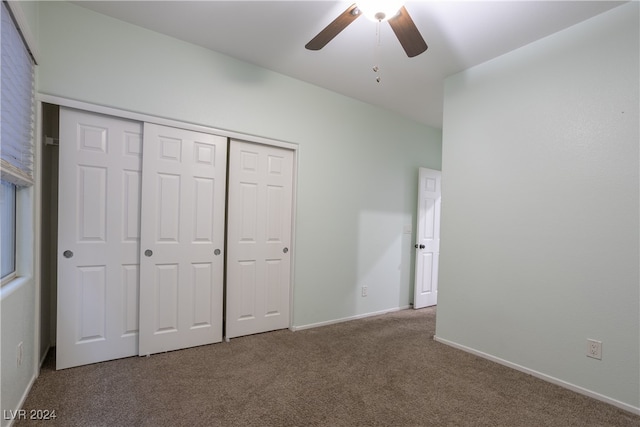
(67, 254)
(285, 250)
(216, 252)
(148, 252)
(417, 246)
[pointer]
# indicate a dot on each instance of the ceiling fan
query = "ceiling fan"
(400, 22)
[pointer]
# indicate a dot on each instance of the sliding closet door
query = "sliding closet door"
(259, 238)
(183, 207)
(98, 243)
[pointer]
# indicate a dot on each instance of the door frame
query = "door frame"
(116, 112)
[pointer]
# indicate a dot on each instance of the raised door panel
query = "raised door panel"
(92, 204)
(131, 302)
(168, 208)
(203, 210)
(92, 303)
(203, 314)
(131, 182)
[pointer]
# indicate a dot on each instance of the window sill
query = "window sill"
(12, 286)
(9, 278)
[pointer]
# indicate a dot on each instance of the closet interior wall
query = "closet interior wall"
(49, 227)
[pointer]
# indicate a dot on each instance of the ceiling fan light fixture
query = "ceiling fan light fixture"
(379, 10)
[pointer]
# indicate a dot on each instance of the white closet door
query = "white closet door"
(181, 262)
(258, 238)
(98, 243)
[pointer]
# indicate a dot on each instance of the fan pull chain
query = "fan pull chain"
(376, 54)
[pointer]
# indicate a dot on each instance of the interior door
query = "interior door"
(182, 238)
(98, 243)
(258, 238)
(428, 238)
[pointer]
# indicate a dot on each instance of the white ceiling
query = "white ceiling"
(272, 34)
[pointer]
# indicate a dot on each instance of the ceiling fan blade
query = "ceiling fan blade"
(407, 33)
(334, 28)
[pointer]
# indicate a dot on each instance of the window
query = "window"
(16, 136)
(8, 230)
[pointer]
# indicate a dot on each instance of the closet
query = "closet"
(150, 218)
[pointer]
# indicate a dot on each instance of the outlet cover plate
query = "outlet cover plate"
(594, 349)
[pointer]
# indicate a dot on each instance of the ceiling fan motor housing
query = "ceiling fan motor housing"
(380, 16)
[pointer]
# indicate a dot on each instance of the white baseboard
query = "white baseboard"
(21, 403)
(346, 319)
(545, 377)
(26, 391)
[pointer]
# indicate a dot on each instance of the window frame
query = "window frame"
(12, 274)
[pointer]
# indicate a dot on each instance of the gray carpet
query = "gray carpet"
(379, 371)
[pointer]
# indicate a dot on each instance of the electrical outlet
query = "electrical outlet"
(364, 291)
(594, 349)
(19, 352)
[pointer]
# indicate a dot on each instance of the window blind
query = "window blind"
(17, 112)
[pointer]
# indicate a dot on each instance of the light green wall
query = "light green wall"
(17, 312)
(357, 163)
(540, 229)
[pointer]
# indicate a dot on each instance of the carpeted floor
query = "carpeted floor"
(379, 371)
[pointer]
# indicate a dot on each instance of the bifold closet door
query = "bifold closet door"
(258, 238)
(182, 239)
(98, 243)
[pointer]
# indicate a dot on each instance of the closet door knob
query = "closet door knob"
(216, 252)
(67, 254)
(148, 252)
(285, 250)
